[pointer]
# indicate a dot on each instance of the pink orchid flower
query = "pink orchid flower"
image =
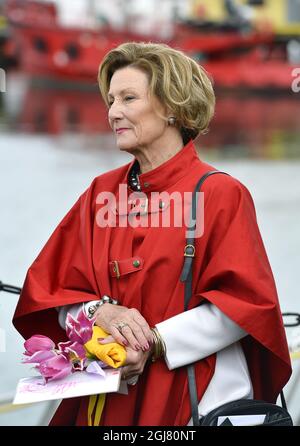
(74, 348)
(55, 368)
(38, 343)
(79, 329)
(70, 356)
(38, 348)
(75, 352)
(39, 357)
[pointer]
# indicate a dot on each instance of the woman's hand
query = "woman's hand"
(127, 326)
(135, 362)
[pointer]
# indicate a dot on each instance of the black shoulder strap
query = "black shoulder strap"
(189, 250)
(187, 277)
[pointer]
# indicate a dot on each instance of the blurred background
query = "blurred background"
(55, 138)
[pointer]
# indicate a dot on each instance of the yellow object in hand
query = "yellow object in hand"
(112, 354)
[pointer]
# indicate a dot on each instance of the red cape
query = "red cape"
(231, 271)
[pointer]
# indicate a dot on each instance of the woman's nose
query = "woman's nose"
(115, 111)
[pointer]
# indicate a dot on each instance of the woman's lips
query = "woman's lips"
(120, 130)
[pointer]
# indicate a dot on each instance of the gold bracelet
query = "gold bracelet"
(159, 346)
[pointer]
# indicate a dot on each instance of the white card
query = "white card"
(243, 420)
(33, 390)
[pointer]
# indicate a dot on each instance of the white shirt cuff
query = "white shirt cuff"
(196, 334)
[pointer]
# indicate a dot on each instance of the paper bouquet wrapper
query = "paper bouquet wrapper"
(33, 390)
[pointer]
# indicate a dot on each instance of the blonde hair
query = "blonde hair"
(175, 79)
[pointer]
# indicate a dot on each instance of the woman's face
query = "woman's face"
(132, 109)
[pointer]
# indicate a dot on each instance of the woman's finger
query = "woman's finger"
(107, 340)
(124, 335)
(115, 333)
(139, 335)
(141, 321)
(135, 335)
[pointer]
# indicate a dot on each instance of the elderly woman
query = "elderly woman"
(124, 264)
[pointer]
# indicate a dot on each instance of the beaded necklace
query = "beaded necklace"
(133, 177)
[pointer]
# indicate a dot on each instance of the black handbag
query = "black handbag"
(261, 412)
(268, 414)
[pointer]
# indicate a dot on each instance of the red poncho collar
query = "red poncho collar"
(169, 173)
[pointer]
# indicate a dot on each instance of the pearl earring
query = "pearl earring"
(171, 120)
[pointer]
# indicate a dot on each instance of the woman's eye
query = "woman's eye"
(126, 98)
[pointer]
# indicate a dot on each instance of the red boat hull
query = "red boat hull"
(233, 59)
